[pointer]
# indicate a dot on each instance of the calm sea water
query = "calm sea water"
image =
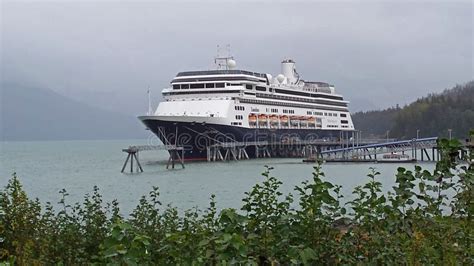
(46, 167)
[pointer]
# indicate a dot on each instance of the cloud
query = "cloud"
(108, 53)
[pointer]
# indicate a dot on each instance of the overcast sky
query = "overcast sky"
(377, 54)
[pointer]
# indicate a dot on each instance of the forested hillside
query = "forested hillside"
(432, 116)
(375, 123)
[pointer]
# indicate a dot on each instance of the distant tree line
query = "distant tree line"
(433, 116)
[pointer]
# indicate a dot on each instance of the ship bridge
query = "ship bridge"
(207, 79)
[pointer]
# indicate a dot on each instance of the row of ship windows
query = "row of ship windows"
(285, 111)
(343, 126)
(199, 86)
(273, 110)
(259, 95)
(258, 88)
(314, 113)
(289, 98)
(248, 87)
(215, 85)
(299, 93)
(204, 85)
(236, 123)
(198, 99)
(251, 101)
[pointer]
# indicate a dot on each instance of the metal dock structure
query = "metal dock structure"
(228, 151)
(343, 150)
(176, 155)
(364, 152)
(279, 149)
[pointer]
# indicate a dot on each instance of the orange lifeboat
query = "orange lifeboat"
(283, 118)
(262, 120)
(294, 121)
(252, 118)
(311, 121)
(274, 119)
(303, 121)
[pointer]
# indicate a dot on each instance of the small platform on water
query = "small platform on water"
(176, 155)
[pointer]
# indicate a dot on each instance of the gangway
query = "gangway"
(371, 150)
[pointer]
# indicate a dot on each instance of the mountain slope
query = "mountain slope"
(432, 116)
(41, 114)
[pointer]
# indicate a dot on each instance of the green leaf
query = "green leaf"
(307, 255)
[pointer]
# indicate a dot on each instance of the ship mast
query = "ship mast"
(224, 62)
(149, 102)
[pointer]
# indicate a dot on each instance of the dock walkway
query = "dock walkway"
(343, 150)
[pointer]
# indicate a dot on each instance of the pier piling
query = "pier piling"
(176, 156)
(132, 155)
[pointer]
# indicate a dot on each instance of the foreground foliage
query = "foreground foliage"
(415, 223)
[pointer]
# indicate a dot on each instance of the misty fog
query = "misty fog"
(106, 54)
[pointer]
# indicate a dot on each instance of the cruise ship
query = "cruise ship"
(228, 105)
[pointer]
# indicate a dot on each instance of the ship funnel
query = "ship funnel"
(288, 69)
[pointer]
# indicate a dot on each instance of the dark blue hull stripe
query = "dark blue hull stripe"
(196, 137)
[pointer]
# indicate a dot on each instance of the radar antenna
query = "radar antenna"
(224, 62)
